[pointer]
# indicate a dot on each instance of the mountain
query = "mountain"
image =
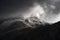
(29, 29)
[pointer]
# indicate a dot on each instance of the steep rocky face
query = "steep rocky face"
(29, 21)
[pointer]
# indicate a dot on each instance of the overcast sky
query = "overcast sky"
(50, 9)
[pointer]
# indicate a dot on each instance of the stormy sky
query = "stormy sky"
(47, 10)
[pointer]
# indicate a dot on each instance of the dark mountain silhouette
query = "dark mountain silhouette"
(30, 30)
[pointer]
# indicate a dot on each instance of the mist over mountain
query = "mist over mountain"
(29, 19)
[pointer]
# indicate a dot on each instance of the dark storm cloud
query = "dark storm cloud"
(7, 6)
(12, 5)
